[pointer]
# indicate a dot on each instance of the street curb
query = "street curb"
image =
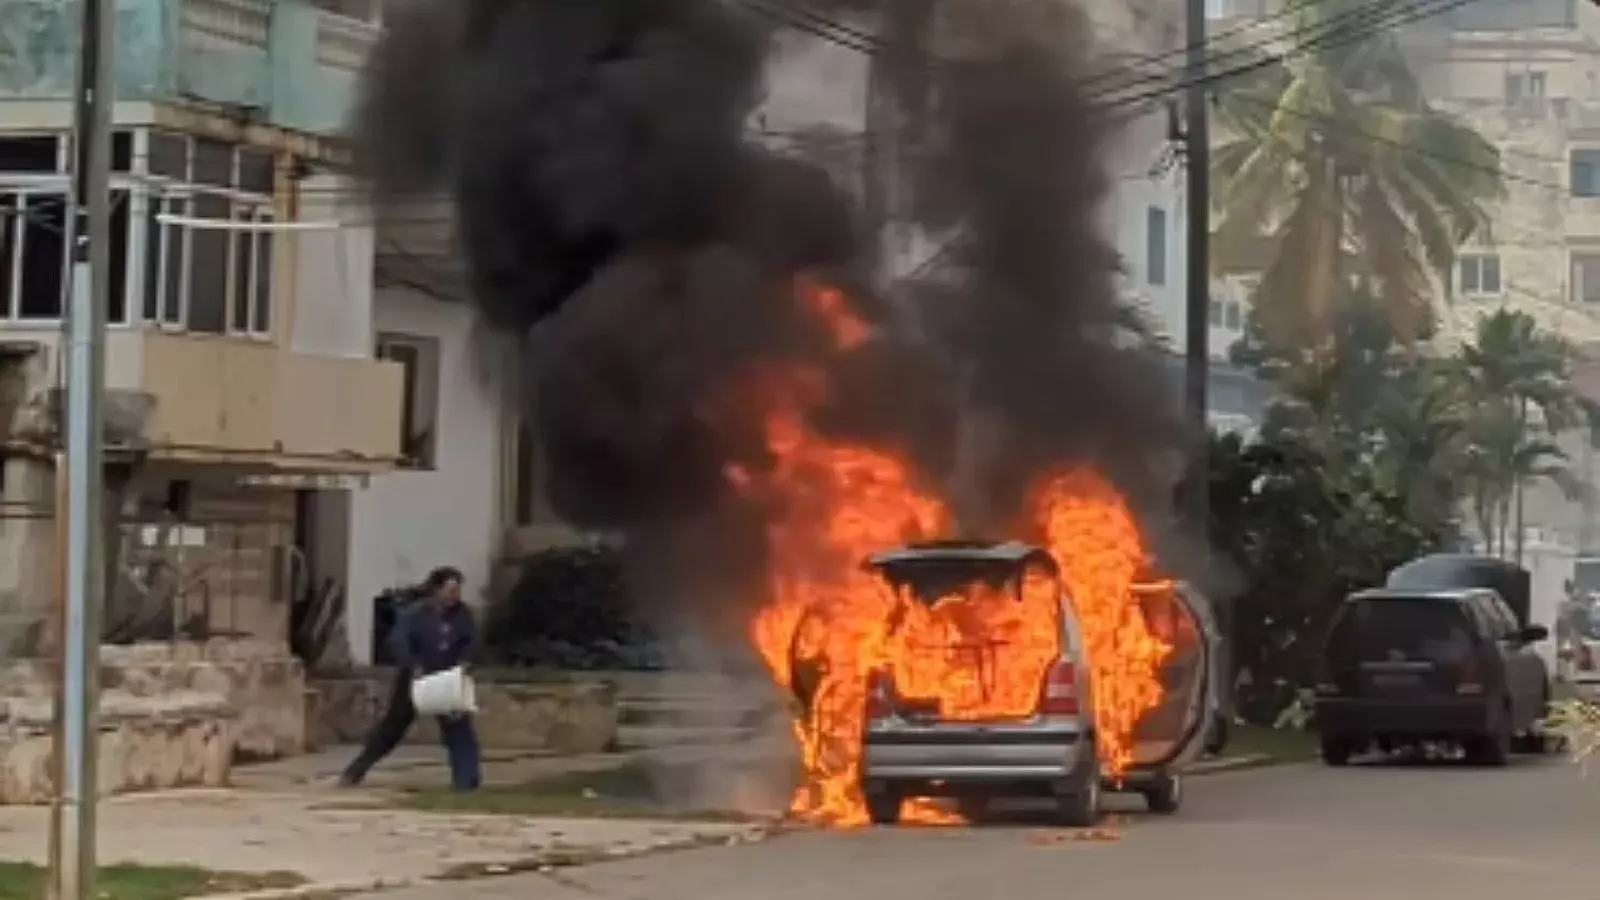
(317, 890)
(1231, 764)
(480, 871)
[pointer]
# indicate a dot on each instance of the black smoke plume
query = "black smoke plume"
(614, 210)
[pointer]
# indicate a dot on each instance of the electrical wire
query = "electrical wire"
(1334, 35)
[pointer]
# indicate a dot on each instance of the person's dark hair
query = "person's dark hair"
(442, 576)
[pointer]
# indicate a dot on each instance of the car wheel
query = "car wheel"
(973, 807)
(1532, 743)
(1336, 749)
(1081, 807)
(1165, 795)
(883, 806)
(1493, 749)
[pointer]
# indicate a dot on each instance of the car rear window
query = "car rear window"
(1394, 629)
(932, 580)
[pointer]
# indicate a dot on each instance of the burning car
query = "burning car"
(988, 688)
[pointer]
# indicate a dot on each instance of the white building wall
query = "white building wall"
(333, 274)
(406, 523)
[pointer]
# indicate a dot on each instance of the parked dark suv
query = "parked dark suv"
(1402, 666)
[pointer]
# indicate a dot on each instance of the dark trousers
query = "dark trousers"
(460, 739)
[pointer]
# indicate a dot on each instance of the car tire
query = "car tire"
(883, 806)
(1493, 749)
(1079, 807)
(1165, 795)
(1536, 741)
(973, 808)
(1336, 750)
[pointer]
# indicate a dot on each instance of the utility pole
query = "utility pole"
(78, 689)
(896, 83)
(1197, 305)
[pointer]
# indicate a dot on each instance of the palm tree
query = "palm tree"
(1517, 388)
(1337, 178)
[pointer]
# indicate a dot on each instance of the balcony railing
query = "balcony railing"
(290, 62)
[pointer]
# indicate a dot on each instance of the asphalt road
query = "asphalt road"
(1299, 832)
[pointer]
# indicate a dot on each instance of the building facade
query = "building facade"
(311, 406)
(242, 374)
(1526, 75)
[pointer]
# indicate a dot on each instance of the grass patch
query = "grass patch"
(1277, 744)
(26, 881)
(627, 790)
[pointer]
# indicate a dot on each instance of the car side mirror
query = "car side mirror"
(1531, 634)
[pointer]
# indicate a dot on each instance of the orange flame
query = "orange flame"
(827, 623)
(833, 307)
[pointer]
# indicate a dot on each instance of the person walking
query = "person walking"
(434, 634)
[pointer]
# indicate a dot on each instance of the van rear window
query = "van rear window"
(1393, 629)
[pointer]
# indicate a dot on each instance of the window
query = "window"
(199, 277)
(1232, 319)
(419, 402)
(1586, 278)
(1155, 245)
(1524, 86)
(1478, 275)
(365, 10)
(1216, 314)
(1586, 173)
(34, 214)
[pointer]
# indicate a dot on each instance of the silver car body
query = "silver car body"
(1043, 751)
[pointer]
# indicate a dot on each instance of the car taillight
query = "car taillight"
(880, 695)
(1059, 695)
(1467, 679)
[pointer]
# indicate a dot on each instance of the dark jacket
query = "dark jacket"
(429, 639)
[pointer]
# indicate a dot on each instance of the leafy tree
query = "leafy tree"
(1516, 384)
(1337, 179)
(1300, 537)
(1368, 404)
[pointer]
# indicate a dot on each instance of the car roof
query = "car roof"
(1433, 594)
(1011, 552)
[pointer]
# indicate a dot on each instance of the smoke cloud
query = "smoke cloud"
(616, 215)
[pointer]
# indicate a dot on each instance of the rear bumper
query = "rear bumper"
(1448, 716)
(956, 756)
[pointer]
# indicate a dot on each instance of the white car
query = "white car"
(1578, 647)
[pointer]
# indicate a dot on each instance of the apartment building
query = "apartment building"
(316, 404)
(243, 382)
(1526, 75)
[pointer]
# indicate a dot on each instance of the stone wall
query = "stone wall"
(171, 715)
(261, 681)
(515, 713)
(177, 740)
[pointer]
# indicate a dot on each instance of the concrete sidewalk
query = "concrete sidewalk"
(338, 842)
(287, 816)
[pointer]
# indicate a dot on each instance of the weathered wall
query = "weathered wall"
(407, 522)
(578, 716)
(258, 681)
(179, 740)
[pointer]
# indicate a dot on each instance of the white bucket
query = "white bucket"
(446, 693)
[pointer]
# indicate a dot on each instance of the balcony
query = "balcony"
(210, 398)
(219, 398)
(287, 62)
